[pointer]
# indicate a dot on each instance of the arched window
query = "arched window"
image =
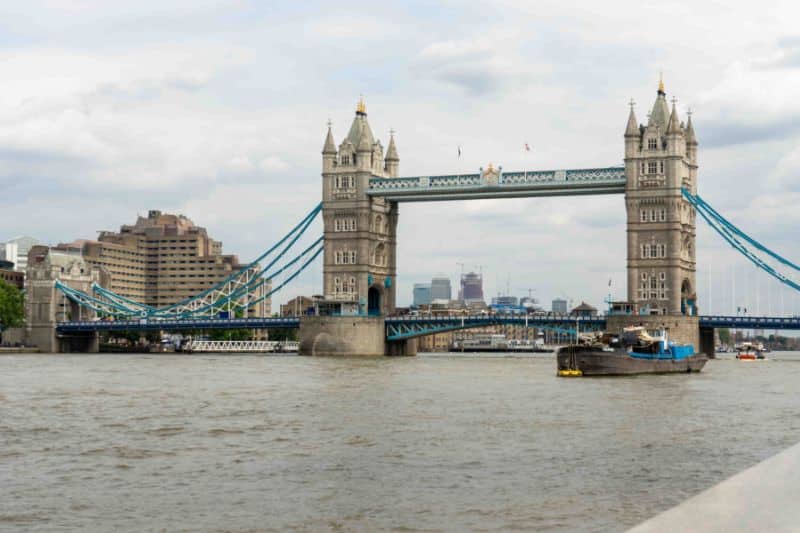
(352, 288)
(380, 255)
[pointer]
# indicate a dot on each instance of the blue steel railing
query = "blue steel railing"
(408, 326)
(603, 180)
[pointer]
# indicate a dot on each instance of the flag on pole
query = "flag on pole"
(609, 282)
(459, 150)
(527, 148)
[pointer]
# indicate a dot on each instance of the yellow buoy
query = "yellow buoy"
(570, 373)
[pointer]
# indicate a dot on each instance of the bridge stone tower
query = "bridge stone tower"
(660, 159)
(360, 249)
(360, 231)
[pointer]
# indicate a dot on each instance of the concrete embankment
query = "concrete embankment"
(762, 498)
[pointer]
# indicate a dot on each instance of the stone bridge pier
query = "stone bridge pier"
(45, 306)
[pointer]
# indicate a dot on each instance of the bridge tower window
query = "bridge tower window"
(661, 164)
(652, 144)
(652, 167)
(643, 215)
(663, 215)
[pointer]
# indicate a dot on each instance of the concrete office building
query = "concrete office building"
(161, 260)
(440, 289)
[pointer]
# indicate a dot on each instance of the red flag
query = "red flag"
(527, 148)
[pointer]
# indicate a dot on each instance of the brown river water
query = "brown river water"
(436, 442)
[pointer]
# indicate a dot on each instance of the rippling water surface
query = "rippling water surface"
(171, 442)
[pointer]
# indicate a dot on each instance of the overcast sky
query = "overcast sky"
(217, 109)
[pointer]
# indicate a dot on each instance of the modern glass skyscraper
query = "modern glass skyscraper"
(440, 289)
(422, 294)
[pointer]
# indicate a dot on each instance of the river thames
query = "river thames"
(436, 442)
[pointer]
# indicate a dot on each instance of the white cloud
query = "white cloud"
(217, 109)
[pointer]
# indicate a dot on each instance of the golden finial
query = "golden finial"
(490, 168)
(361, 107)
(661, 81)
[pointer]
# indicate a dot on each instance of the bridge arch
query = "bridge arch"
(375, 300)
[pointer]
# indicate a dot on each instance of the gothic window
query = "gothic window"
(663, 215)
(652, 144)
(337, 226)
(652, 167)
(646, 252)
(379, 224)
(643, 215)
(337, 285)
(653, 283)
(352, 257)
(642, 167)
(345, 159)
(662, 276)
(644, 276)
(380, 255)
(352, 285)
(661, 165)
(652, 215)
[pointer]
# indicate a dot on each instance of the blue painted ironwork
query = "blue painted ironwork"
(232, 293)
(734, 236)
(609, 180)
(409, 327)
(178, 324)
(751, 322)
(406, 327)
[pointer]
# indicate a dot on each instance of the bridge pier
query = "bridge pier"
(349, 336)
(707, 342)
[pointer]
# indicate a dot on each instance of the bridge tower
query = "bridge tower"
(360, 231)
(660, 159)
(360, 249)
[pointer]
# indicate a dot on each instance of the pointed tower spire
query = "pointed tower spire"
(391, 151)
(330, 146)
(661, 83)
(632, 128)
(690, 136)
(674, 123)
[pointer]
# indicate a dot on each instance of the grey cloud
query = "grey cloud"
(722, 132)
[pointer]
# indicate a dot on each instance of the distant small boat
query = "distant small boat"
(749, 352)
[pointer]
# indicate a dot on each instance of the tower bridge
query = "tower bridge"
(362, 187)
(361, 191)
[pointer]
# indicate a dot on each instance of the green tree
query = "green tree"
(12, 308)
(725, 335)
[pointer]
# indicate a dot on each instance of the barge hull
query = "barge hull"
(600, 363)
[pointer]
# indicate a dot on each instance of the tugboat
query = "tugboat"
(749, 352)
(634, 352)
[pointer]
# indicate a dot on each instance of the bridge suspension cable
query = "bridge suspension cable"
(739, 240)
(226, 294)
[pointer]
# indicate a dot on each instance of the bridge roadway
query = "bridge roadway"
(498, 184)
(409, 326)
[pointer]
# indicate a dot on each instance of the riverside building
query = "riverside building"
(161, 260)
